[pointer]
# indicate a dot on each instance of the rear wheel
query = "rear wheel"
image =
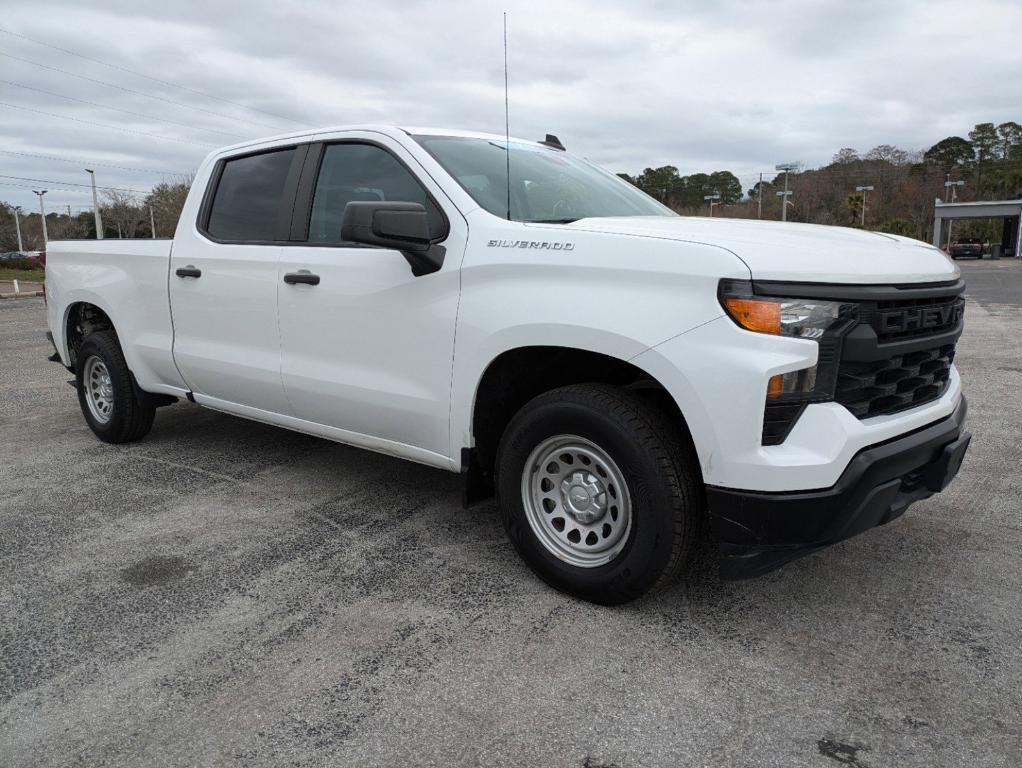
(114, 407)
(599, 492)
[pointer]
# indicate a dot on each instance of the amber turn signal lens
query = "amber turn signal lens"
(755, 314)
(775, 386)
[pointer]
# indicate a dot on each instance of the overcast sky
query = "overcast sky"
(630, 84)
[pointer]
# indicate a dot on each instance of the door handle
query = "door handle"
(188, 271)
(303, 277)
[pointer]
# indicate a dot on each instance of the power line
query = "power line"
(148, 77)
(55, 208)
(51, 188)
(109, 127)
(123, 111)
(138, 93)
(79, 161)
(70, 183)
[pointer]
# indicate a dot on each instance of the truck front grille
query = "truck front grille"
(903, 381)
(898, 319)
(892, 351)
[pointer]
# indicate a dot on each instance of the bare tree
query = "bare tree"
(889, 154)
(845, 155)
(123, 211)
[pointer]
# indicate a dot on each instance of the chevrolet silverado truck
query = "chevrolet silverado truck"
(611, 372)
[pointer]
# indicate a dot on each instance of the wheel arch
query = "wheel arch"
(517, 374)
(82, 317)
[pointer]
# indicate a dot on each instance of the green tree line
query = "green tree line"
(905, 184)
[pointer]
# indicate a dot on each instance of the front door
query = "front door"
(368, 349)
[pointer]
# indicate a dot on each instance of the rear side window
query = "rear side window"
(352, 172)
(248, 197)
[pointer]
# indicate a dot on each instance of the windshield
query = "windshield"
(547, 185)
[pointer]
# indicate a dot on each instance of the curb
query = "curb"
(23, 294)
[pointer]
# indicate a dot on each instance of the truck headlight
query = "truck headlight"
(801, 318)
(816, 320)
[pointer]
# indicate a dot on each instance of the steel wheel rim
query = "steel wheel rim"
(576, 501)
(99, 389)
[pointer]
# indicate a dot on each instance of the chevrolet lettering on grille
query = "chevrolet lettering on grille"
(920, 318)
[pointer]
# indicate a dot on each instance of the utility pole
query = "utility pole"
(17, 226)
(42, 212)
(119, 235)
(152, 222)
(864, 190)
(69, 210)
(759, 210)
(785, 194)
(953, 186)
(711, 199)
(95, 205)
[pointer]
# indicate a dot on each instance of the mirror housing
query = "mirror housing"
(398, 226)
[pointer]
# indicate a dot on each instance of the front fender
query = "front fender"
(471, 365)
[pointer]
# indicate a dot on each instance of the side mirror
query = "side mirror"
(399, 226)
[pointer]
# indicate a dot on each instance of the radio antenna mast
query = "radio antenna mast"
(507, 125)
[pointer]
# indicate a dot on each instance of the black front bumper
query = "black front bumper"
(761, 531)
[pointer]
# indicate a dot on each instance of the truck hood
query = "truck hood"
(774, 250)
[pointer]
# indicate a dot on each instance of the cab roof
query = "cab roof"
(391, 130)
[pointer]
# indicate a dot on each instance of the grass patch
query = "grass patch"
(24, 275)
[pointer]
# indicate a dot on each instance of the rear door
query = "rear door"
(223, 280)
(368, 349)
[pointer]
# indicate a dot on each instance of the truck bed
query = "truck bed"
(128, 281)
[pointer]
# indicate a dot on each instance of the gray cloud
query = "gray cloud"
(738, 85)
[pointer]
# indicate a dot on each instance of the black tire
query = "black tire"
(659, 468)
(132, 414)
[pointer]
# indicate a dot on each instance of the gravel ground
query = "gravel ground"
(227, 593)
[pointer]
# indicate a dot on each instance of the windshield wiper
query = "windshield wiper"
(552, 221)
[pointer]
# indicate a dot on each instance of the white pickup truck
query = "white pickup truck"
(613, 372)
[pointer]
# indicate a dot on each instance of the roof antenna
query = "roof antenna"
(507, 124)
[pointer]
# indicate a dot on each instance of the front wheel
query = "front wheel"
(599, 492)
(114, 407)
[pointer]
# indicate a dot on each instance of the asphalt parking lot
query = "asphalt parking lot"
(227, 593)
(7, 287)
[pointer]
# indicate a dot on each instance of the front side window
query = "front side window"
(547, 185)
(363, 172)
(249, 195)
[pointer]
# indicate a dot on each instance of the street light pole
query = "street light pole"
(95, 205)
(784, 195)
(953, 186)
(712, 201)
(784, 203)
(864, 190)
(17, 226)
(152, 222)
(759, 205)
(42, 213)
